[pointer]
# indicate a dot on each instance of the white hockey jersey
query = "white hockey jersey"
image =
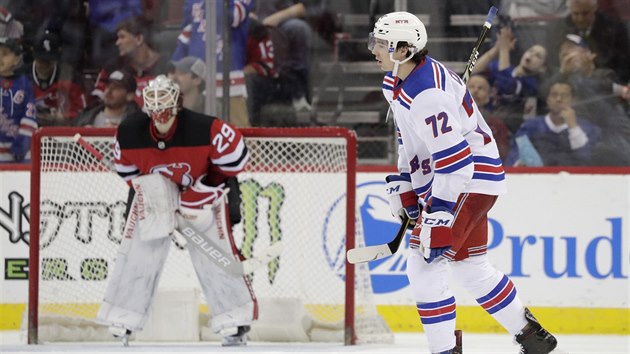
(444, 142)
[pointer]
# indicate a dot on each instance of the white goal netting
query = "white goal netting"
(294, 189)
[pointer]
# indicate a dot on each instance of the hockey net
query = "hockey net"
(297, 187)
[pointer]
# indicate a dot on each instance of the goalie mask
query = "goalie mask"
(161, 99)
(396, 27)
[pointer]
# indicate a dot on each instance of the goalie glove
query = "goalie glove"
(435, 234)
(197, 196)
(402, 198)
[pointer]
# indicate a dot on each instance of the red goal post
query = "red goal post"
(298, 187)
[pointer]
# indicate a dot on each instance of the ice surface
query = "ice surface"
(13, 342)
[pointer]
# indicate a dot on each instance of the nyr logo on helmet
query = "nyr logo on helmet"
(178, 172)
(401, 21)
(378, 226)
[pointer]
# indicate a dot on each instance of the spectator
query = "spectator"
(481, 92)
(59, 95)
(105, 16)
(191, 42)
(137, 54)
(189, 74)
(606, 36)
(66, 18)
(264, 85)
(118, 102)
(515, 85)
(18, 118)
(9, 26)
(559, 137)
(577, 60)
(575, 56)
(286, 18)
(596, 101)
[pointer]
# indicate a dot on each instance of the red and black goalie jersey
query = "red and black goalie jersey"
(199, 144)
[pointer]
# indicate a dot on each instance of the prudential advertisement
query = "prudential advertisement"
(563, 239)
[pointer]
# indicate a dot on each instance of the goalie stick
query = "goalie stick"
(186, 234)
(215, 254)
(372, 253)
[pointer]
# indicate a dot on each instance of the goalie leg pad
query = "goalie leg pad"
(154, 205)
(231, 299)
(133, 282)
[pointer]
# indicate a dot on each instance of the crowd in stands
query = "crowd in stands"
(560, 99)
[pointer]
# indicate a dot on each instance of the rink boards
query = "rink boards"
(562, 238)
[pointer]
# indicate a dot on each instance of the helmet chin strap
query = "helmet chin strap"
(395, 75)
(397, 64)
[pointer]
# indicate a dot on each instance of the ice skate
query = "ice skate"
(534, 339)
(237, 339)
(122, 333)
(458, 349)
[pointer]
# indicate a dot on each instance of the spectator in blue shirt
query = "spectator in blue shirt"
(514, 84)
(560, 138)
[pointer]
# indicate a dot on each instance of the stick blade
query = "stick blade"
(368, 254)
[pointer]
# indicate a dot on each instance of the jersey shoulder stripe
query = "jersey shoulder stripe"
(430, 74)
(388, 82)
(404, 99)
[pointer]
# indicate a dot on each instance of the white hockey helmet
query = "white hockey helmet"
(396, 27)
(161, 99)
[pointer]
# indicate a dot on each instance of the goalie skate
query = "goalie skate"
(122, 333)
(238, 339)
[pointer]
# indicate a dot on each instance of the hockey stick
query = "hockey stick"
(372, 253)
(187, 234)
(215, 254)
(482, 37)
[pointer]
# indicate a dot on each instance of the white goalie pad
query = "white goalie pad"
(154, 205)
(141, 254)
(230, 298)
(133, 282)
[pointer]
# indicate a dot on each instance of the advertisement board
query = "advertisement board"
(562, 239)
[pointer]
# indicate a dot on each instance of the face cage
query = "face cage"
(157, 99)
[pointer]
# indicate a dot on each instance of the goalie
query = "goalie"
(177, 163)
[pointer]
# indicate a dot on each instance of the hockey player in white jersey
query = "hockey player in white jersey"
(450, 177)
